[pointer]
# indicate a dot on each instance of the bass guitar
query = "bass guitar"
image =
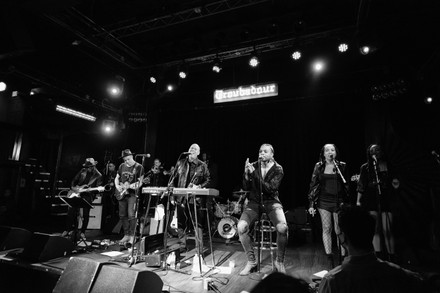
(76, 191)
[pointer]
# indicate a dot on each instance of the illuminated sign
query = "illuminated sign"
(253, 91)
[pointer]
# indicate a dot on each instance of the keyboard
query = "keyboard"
(182, 191)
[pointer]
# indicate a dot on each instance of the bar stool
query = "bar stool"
(263, 231)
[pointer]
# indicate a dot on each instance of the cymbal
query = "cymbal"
(240, 193)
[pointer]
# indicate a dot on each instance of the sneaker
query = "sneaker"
(279, 266)
(130, 239)
(82, 236)
(249, 268)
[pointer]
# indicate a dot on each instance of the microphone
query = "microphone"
(143, 155)
(186, 153)
(435, 154)
(374, 158)
(331, 157)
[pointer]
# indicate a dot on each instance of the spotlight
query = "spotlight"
(183, 71)
(216, 67)
(153, 79)
(182, 74)
(109, 126)
(428, 100)
(117, 86)
(318, 66)
(170, 87)
(2, 86)
(343, 47)
(365, 50)
(296, 55)
(253, 62)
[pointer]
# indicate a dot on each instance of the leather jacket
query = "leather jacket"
(199, 176)
(315, 184)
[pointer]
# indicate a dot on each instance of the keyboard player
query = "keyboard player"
(192, 173)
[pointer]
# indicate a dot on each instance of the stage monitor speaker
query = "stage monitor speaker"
(83, 275)
(12, 237)
(43, 247)
(78, 276)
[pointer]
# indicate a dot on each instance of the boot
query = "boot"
(249, 268)
(279, 267)
(331, 260)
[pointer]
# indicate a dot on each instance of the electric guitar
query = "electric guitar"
(125, 187)
(76, 191)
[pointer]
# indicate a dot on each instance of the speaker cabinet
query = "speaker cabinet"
(11, 237)
(43, 247)
(83, 275)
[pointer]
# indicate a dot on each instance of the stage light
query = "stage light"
(153, 79)
(75, 113)
(170, 87)
(428, 100)
(182, 74)
(216, 67)
(365, 50)
(253, 61)
(296, 55)
(343, 47)
(108, 126)
(116, 87)
(318, 66)
(2, 86)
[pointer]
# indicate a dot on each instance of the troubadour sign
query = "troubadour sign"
(253, 91)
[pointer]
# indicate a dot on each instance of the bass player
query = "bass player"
(128, 179)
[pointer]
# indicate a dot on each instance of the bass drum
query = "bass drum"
(227, 227)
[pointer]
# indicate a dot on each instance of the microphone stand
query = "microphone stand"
(132, 259)
(338, 204)
(379, 210)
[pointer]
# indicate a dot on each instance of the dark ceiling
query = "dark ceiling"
(73, 48)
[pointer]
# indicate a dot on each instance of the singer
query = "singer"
(128, 178)
(374, 194)
(327, 192)
(262, 179)
(191, 172)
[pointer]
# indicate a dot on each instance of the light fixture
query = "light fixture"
(183, 70)
(428, 100)
(153, 79)
(296, 55)
(2, 86)
(318, 66)
(216, 67)
(108, 126)
(170, 87)
(253, 61)
(75, 113)
(343, 47)
(365, 50)
(116, 87)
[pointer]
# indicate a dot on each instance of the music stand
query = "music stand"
(76, 203)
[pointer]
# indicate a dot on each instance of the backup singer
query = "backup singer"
(192, 173)
(90, 177)
(263, 179)
(368, 196)
(127, 180)
(327, 192)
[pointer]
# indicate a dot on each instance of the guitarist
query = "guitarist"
(87, 177)
(128, 178)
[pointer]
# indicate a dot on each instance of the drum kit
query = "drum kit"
(227, 225)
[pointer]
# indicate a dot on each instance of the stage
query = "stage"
(220, 268)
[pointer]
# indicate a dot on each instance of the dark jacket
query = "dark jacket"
(269, 185)
(199, 176)
(315, 184)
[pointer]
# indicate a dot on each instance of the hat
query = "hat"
(90, 162)
(125, 153)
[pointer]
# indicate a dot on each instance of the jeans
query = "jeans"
(127, 214)
(252, 212)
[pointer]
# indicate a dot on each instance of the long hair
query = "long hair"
(321, 153)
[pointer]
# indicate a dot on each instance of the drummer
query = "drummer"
(263, 178)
